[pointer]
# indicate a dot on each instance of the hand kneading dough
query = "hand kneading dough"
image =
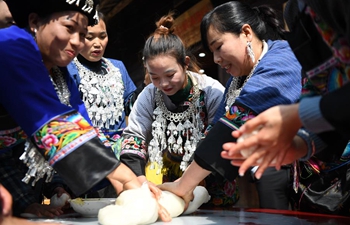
(59, 201)
(132, 207)
(137, 206)
(201, 196)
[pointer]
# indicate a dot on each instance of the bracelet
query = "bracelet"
(303, 134)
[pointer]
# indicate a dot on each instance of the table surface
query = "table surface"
(232, 216)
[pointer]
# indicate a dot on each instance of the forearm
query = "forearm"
(311, 116)
(125, 176)
(191, 178)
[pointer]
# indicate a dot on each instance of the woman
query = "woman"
(50, 33)
(107, 100)
(263, 75)
(105, 88)
(320, 119)
(170, 115)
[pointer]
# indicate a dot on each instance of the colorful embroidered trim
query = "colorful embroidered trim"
(64, 133)
(236, 116)
(329, 63)
(11, 137)
(134, 145)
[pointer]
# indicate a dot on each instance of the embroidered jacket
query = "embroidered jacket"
(137, 135)
(62, 134)
(273, 82)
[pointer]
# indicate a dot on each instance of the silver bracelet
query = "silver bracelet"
(303, 134)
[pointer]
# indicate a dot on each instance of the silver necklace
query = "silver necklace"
(60, 85)
(170, 130)
(234, 90)
(102, 94)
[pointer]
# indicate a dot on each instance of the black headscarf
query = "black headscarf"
(20, 9)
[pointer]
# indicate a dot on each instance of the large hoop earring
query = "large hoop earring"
(250, 51)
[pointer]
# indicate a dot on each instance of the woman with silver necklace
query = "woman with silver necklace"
(262, 75)
(58, 133)
(104, 84)
(105, 88)
(170, 116)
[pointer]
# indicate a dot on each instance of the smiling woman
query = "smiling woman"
(58, 132)
(171, 114)
(106, 89)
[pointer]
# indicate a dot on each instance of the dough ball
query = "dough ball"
(201, 196)
(132, 207)
(59, 201)
(172, 203)
(248, 151)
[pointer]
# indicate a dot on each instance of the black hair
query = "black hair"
(164, 42)
(231, 16)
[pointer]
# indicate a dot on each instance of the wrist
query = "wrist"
(308, 146)
(125, 176)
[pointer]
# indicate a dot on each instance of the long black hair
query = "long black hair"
(231, 16)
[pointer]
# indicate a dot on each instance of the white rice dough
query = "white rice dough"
(59, 201)
(132, 207)
(138, 207)
(201, 196)
(247, 152)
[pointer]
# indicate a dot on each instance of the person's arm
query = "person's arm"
(311, 116)
(59, 133)
(138, 132)
(185, 185)
(335, 107)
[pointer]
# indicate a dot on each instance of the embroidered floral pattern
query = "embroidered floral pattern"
(62, 135)
(133, 145)
(223, 193)
(326, 78)
(239, 115)
(11, 137)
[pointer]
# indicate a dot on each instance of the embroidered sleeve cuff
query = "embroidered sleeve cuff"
(86, 166)
(311, 116)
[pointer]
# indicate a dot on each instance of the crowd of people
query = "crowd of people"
(68, 108)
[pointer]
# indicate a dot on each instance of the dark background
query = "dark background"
(130, 22)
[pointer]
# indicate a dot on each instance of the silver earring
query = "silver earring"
(250, 51)
(34, 33)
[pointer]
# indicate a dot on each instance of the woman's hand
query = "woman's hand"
(276, 129)
(176, 188)
(163, 214)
